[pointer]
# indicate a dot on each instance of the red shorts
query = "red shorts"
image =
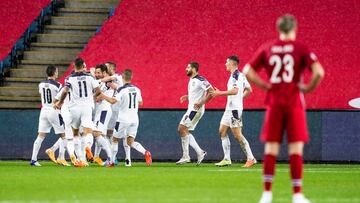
(280, 118)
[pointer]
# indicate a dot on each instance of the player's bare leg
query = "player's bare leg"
(295, 150)
(271, 152)
(184, 134)
(245, 146)
(138, 147)
(114, 150)
(88, 141)
(225, 142)
(36, 147)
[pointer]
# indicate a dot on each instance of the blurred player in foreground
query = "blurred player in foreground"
(284, 60)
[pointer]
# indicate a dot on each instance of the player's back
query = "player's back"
(81, 86)
(48, 89)
(284, 62)
(128, 97)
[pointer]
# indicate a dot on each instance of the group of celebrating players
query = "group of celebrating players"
(115, 101)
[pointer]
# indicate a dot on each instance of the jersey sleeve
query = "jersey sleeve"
(58, 95)
(117, 96)
(204, 84)
(94, 83)
(258, 59)
(40, 88)
(139, 97)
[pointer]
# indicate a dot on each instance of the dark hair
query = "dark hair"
(50, 70)
(195, 65)
(102, 67)
(111, 63)
(127, 74)
(235, 59)
(79, 62)
(286, 23)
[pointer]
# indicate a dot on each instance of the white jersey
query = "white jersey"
(128, 97)
(237, 80)
(48, 89)
(118, 80)
(81, 86)
(197, 88)
(67, 98)
(108, 92)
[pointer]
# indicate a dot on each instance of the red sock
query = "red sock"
(296, 170)
(268, 170)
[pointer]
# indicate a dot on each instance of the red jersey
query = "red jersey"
(284, 62)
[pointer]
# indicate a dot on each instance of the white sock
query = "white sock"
(225, 141)
(108, 139)
(114, 149)
(70, 147)
(245, 146)
(36, 147)
(97, 149)
(89, 140)
(105, 145)
(185, 146)
(77, 146)
(56, 145)
(194, 144)
(61, 150)
(138, 147)
(83, 145)
(127, 149)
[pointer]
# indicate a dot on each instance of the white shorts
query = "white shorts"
(81, 116)
(113, 119)
(191, 119)
(65, 113)
(123, 130)
(232, 119)
(102, 118)
(50, 118)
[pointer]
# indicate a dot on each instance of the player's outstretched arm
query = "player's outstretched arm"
(318, 74)
(205, 99)
(58, 104)
(218, 92)
(102, 96)
(253, 77)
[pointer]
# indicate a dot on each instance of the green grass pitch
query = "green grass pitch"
(166, 182)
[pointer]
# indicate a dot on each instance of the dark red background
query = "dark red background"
(15, 17)
(158, 38)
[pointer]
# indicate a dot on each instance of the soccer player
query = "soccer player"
(49, 117)
(129, 98)
(117, 80)
(83, 88)
(237, 89)
(284, 60)
(102, 115)
(198, 95)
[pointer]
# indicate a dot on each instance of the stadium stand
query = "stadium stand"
(58, 42)
(158, 38)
